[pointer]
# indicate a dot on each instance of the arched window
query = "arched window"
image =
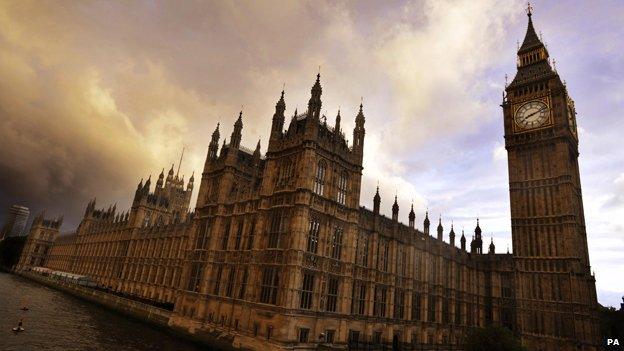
(342, 189)
(319, 180)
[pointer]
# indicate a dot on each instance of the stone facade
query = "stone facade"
(279, 254)
(40, 240)
(139, 252)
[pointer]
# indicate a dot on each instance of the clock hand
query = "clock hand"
(536, 112)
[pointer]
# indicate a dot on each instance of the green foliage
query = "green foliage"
(10, 250)
(491, 338)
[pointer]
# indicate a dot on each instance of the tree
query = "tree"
(491, 338)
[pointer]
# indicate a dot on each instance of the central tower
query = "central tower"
(556, 298)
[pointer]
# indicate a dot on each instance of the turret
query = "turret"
(476, 246)
(491, 248)
(337, 126)
(426, 223)
(463, 241)
(161, 178)
(235, 139)
(395, 210)
(358, 134)
(376, 201)
(189, 186)
(213, 147)
(452, 236)
(440, 229)
(314, 104)
(412, 217)
(277, 125)
(170, 174)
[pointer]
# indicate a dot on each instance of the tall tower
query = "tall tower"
(556, 295)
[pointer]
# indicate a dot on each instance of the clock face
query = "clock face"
(532, 115)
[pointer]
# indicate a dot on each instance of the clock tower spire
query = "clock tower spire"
(547, 220)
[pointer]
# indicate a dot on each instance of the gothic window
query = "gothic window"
(250, 238)
(399, 301)
(336, 244)
(269, 284)
(214, 190)
(278, 227)
(319, 179)
(313, 236)
(286, 173)
(362, 250)
(431, 309)
(195, 277)
(217, 281)
(243, 286)
(379, 303)
(332, 294)
(203, 235)
(307, 290)
(445, 310)
(416, 306)
(226, 236)
(358, 299)
(342, 188)
(229, 289)
(303, 335)
(239, 235)
(146, 219)
(382, 261)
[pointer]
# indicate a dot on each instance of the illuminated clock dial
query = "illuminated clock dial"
(532, 115)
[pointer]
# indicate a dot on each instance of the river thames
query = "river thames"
(56, 321)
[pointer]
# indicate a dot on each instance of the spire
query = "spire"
(161, 178)
(337, 126)
(235, 139)
(180, 163)
(531, 39)
(216, 134)
(426, 223)
(452, 235)
(277, 125)
(376, 201)
(463, 241)
(440, 228)
(395, 209)
(170, 174)
(412, 216)
(478, 230)
(359, 119)
(213, 147)
(491, 248)
(314, 105)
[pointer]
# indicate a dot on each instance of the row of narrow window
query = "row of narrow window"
(319, 183)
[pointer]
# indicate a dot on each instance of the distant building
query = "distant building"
(16, 220)
(43, 234)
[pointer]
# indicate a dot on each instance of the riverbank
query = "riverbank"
(142, 312)
(58, 321)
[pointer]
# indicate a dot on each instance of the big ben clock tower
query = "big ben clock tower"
(556, 295)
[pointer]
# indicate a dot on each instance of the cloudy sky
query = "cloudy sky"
(96, 95)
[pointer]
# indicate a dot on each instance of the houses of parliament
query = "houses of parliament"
(279, 254)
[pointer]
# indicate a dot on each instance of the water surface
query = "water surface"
(57, 321)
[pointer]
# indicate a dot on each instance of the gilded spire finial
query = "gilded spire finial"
(529, 9)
